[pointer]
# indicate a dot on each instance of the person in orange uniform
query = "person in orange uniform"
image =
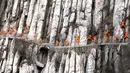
(122, 24)
(115, 37)
(78, 39)
(107, 31)
(95, 39)
(35, 36)
(41, 41)
(3, 33)
(27, 27)
(90, 38)
(10, 31)
(66, 43)
(57, 43)
(107, 34)
(126, 35)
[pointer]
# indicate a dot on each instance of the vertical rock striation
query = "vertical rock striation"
(20, 56)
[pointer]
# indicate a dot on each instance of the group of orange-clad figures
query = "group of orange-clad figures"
(107, 32)
(12, 31)
(94, 38)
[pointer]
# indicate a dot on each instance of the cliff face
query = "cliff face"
(52, 20)
(19, 56)
(64, 23)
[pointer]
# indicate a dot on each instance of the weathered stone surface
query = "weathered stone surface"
(48, 21)
(31, 57)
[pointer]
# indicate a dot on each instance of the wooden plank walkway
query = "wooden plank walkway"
(102, 44)
(91, 45)
(78, 46)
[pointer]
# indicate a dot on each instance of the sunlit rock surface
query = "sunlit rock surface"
(48, 20)
(20, 56)
(30, 23)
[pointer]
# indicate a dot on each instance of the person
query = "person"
(107, 32)
(27, 27)
(3, 32)
(90, 38)
(78, 39)
(122, 24)
(66, 43)
(115, 37)
(126, 35)
(41, 41)
(57, 43)
(10, 31)
(95, 39)
(35, 36)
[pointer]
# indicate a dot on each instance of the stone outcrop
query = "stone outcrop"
(64, 36)
(61, 20)
(21, 56)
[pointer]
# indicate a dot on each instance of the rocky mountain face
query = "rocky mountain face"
(64, 36)
(20, 56)
(64, 20)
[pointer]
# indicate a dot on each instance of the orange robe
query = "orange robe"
(106, 38)
(3, 33)
(107, 32)
(41, 41)
(57, 43)
(126, 35)
(123, 24)
(27, 27)
(10, 31)
(77, 39)
(66, 43)
(35, 36)
(94, 39)
(115, 37)
(89, 37)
